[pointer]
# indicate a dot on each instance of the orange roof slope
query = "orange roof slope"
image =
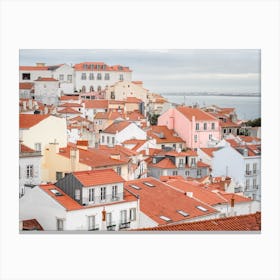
(116, 127)
(32, 224)
(66, 201)
(46, 79)
(102, 67)
(209, 151)
(25, 149)
(69, 110)
(163, 134)
(164, 164)
(197, 113)
(26, 85)
(250, 222)
(162, 200)
(98, 177)
(28, 120)
(33, 68)
(96, 104)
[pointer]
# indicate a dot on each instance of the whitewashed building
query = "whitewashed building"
(29, 168)
(86, 201)
(243, 164)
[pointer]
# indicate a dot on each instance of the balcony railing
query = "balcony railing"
(251, 172)
(111, 226)
(101, 200)
(94, 227)
(124, 225)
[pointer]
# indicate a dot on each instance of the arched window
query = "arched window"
(83, 89)
(91, 77)
(99, 76)
(99, 88)
(91, 89)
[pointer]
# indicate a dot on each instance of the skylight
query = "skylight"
(56, 192)
(135, 187)
(183, 213)
(165, 218)
(148, 184)
(201, 208)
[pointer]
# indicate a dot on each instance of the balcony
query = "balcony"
(111, 226)
(94, 227)
(107, 199)
(251, 172)
(124, 225)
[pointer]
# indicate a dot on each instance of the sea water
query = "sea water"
(247, 107)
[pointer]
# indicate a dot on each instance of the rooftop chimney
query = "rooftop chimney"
(40, 64)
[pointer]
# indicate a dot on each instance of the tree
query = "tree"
(253, 123)
(153, 119)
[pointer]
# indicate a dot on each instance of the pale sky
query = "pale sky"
(170, 71)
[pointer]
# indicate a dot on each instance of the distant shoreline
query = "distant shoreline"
(213, 94)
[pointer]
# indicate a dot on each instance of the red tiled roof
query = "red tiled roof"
(70, 105)
(132, 100)
(162, 134)
(29, 120)
(163, 200)
(166, 163)
(33, 68)
(209, 151)
(135, 116)
(66, 201)
(25, 149)
(117, 127)
(96, 104)
(32, 224)
(202, 164)
(232, 142)
(26, 85)
(250, 222)
(80, 119)
(249, 139)
(98, 177)
(46, 79)
(137, 82)
(197, 113)
(94, 158)
(69, 111)
(111, 115)
(69, 97)
(80, 67)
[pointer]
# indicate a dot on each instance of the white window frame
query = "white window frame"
(30, 171)
(114, 192)
(103, 193)
(77, 194)
(59, 224)
(91, 195)
(132, 214)
(91, 222)
(38, 147)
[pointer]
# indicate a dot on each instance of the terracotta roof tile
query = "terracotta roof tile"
(116, 127)
(25, 149)
(119, 68)
(26, 85)
(69, 110)
(29, 120)
(96, 104)
(69, 97)
(164, 164)
(46, 79)
(98, 177)
(197, 113)
(70, 105)
(132, 100)
(162, 134)
(163, 200)
(32, 224)
(250, 222)
(33, 68)
(209, 151)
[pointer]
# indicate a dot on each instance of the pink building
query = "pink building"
(193, 125)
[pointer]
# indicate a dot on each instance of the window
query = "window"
(84, 76)
(162, 147)
(121, 77)
(61, 77)
(247, 184)
(205, 126)
(91, 223)
(114, 192)
(58, 175)
(183, 213)
(91, 76)
(103, 193)
(201, 208)
(175, 172)
(174, 146)
(195, 138)
(197, 126)
(100, 122)
(59, 224)
(123, 216)
(99, 77)
(193, 161)
(109, 219)
(69, 78)
(254, 196)
(108, 139)
(225, 130)
(26, 76)
(102, 139)
(165, 218)
(248, 169)
(255, 183)
(119, 170)
(91, 89)
(181, 162)
(187, 173)
(91, 195)
(84, 66)
(113, 140)
(38, 147)
(254, 168)
(83, 88)
(212, 126)
(132, 214)
(29, 171)
(107, 76)
(210, 136)
(77, 194)
(198, 172)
